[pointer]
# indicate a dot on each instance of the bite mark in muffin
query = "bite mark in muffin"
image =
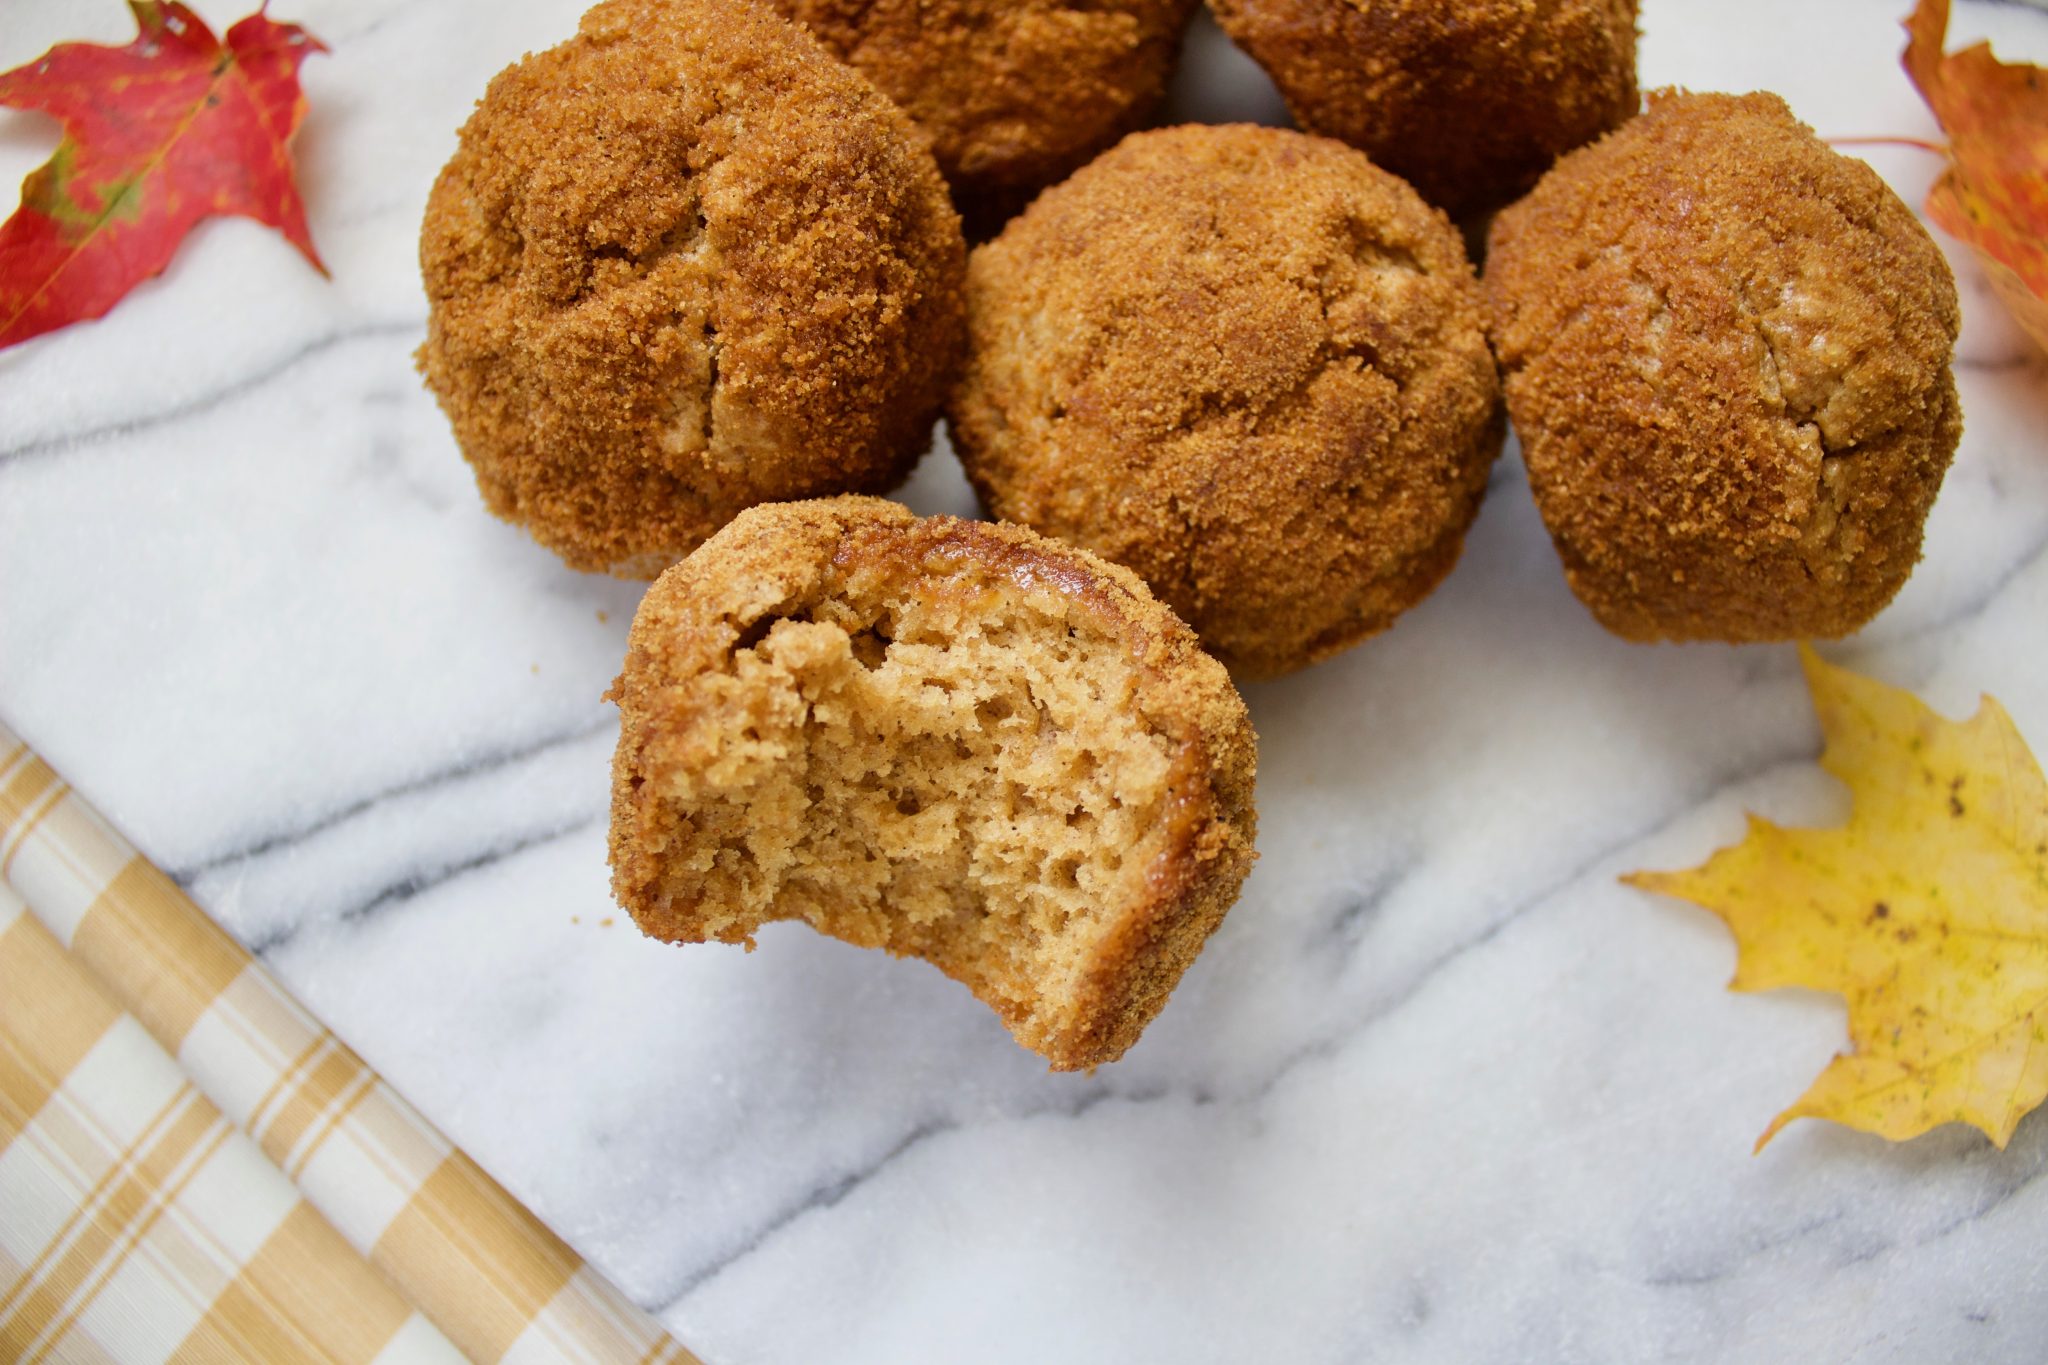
(957, 741)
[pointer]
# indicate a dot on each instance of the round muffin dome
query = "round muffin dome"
(1727, 351)
(1247, 364)
(1468, 100)
(1014, 93)
(683, 263)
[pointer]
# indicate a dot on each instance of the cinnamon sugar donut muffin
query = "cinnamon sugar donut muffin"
(680, 264)
(957, 741)
(1014, 94)
(1249, 365)
(1468, 100)
(1727, 353)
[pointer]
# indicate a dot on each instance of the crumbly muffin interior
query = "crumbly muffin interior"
(948, 768)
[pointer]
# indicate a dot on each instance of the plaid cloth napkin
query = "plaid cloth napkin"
(195, 1169)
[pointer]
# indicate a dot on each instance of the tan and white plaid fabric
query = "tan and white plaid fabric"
(136, 1222)
(139, 1223)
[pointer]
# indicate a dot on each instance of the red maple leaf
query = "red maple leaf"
(173, 128)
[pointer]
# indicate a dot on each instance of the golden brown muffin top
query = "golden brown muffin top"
(1468, 100)
(680, 263)
(1014, 93)
(1726, 349)
(952, 739)
(1249, 365)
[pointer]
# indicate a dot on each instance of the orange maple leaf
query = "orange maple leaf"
(1928, 911)
(1994, 195)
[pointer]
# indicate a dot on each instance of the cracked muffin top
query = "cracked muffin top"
(1014, 93)
(1726, 350)
(683, 263)
(1249, 365)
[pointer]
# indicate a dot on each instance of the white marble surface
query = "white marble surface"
(1440, 1089)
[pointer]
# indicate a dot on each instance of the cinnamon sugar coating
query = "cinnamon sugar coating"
(1015, 94)
(1247, 364)
(1468, 100)
(958, 741)
(1726, 350)
(680, 264)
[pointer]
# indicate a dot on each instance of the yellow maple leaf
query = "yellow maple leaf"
(1928, 911)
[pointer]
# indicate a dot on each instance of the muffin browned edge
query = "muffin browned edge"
(1182, 693)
